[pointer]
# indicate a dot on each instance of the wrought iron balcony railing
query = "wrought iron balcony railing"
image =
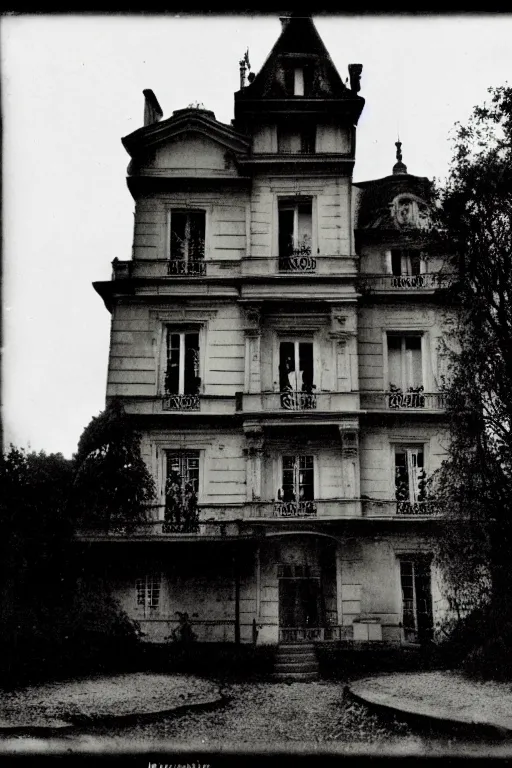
(180, 403)
(195, 267)
(297, 401)
(426, 281)
(297, 262)
(398, 400)
(294, 509)
(327, 634)
(290, 400)
(401, 508)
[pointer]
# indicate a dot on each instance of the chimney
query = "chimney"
(354, 73)
(152, 109)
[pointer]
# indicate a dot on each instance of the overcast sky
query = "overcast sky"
(72, 87)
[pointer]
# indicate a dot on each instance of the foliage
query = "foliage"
(54, 620)
(475, 481)
(112, 485)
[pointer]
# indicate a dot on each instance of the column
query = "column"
(349, 434)
(254, 439)
(253, 349)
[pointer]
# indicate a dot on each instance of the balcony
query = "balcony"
(196, 530)
(414, 400)
(395, 508)
(427, 281)
(180, 403)
(179, 267)
(176, 268)
(317, 509)
(291, 401)
(299, 263)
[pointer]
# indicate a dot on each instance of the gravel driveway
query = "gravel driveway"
(265, 714)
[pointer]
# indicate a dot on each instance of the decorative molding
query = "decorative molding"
(184, 315)
(253, 314)
(293, 323)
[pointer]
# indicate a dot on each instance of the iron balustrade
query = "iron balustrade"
(401, 508)
(194, 268)
(180, 403)
(297, 262)
(398, 400)
(424, 281)
(413, 398)
(294, 509)
(298, 401)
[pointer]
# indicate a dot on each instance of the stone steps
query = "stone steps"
(296, 661)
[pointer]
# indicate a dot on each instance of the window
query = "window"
(187, 240)
(295, 236)
(405, 371)
(298, 79)
(148, 594)
(415, 578)
(296, 375)
(182, 380)
(296, 142)
(409, 479)
(405, 262)
(297, 491)
(181, 491)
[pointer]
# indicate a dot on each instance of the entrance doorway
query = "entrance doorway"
(300, 604)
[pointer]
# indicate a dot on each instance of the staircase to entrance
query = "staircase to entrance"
(296, 661)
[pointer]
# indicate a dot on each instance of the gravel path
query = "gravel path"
(58, 704)
(441, 694)
(265, 714)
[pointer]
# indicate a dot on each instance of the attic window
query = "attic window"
(298, 79)
(298, 82)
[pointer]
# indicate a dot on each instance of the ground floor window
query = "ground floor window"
(147, 590)
(416, 583)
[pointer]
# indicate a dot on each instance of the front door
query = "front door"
(299, 606)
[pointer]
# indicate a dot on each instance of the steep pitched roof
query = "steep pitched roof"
(299, 38)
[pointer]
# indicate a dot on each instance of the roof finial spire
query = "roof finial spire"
(399, 167)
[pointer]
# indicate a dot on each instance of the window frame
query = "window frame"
(415, 558)
(149, 581)
(304, 136)
(187, 209)
(171, 327)
(279, 472)
(424, 341)
(182, 451)
(296, 338)
(405, 257)
(394, 444)
(295, 200)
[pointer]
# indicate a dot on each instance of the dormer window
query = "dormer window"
(298, 79)
(298, 82)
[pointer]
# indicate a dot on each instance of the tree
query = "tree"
(35, 533)
(112, 486)
(475, 481)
